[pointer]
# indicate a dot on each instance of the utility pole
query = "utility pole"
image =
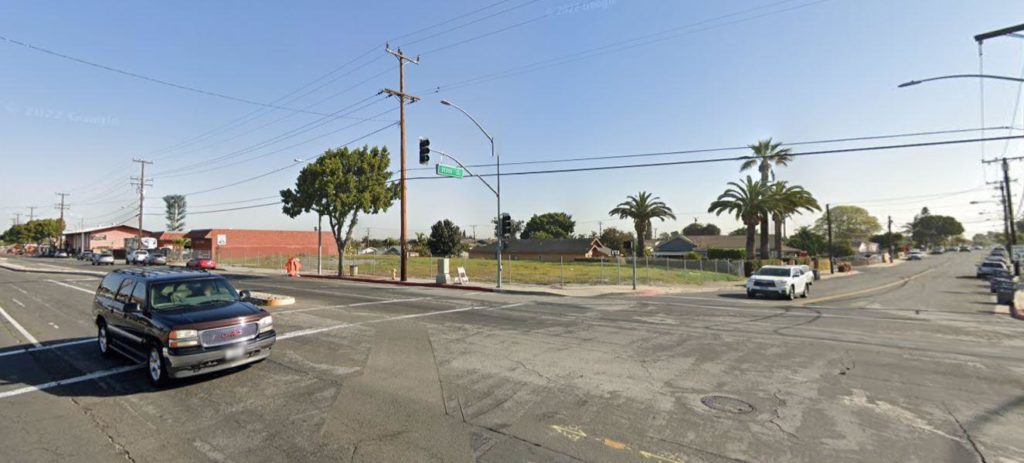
(62, 207)
(1007, 194)
(828, 220)
(32, 213)
(599, 229)
(892, 248)
(17, 218)
(142, 182)
(319, 244)
(402, 97)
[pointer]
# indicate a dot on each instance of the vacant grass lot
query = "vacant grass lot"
(660, 272)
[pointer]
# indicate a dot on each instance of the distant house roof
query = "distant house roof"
(103, 228)
(168, 235)
(679, 244)
(705, 242)
(580, 247)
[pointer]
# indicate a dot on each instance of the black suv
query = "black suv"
(184, 322)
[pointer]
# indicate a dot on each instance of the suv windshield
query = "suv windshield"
(773, 272)
(183, 294)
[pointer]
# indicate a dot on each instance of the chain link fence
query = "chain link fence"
(650, 271)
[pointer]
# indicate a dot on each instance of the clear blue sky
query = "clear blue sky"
(801, 71)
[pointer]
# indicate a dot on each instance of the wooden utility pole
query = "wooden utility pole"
(142, 182)
(402, 97)
(62, 207)
(32, 213)
(892, 247)
(831, 260)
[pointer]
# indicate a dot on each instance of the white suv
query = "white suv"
(778, 280)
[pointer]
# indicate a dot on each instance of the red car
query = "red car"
(202, 263)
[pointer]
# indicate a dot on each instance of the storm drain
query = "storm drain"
(726, 404)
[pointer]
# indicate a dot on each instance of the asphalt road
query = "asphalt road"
(919, 370)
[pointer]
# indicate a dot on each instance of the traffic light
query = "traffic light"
(424, 150)
(506, 224)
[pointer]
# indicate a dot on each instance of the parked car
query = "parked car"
(103, 258)
(203, 263)
(965, 249)
(182, 322)
(915, 255)
(987, 268)
(808, 273)
(938, 250)
(777, 280)
(155, 258)
(61, 254)
(137, 256)
(85, 255)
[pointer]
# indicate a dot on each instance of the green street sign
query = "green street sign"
(450, 171)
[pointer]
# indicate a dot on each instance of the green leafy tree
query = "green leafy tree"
(421, 245)
(785, 200)
(887, 240)
(174, 211)
(642, 209)
(742, 231)
(552, 225)
(848, 223)
(697, 229)
(43, 231)
(932, 230)
(339, 185)
(747, 202)
(765, 155)
(614, 238)
(445, 239)
(806, 239)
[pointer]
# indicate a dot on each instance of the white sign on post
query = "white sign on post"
(463, 278)
(222, 240)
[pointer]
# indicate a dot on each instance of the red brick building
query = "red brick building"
(226, 244)
(166, 239)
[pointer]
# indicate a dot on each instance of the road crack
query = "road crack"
(970, 439)
(121, 449)
(778, 416)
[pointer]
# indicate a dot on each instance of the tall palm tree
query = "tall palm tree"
(766, 154)
(747, 201)
(642, 208)
(785, 200)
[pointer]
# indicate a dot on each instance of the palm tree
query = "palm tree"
(784, 201)
(765, 155)
(642, 208)
(747, 202)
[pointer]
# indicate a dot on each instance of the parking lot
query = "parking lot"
(902, 363)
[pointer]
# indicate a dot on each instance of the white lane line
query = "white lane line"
(26, 350)
(72, 286)
(21, 329)
(64, 382)
(19, 289)
(307, 332)
(357, 304)
(17, 302)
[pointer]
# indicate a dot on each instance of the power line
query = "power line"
(735, 158)
(249, 179)
(152, 79)
(729, 148)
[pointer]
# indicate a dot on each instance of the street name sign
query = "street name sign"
(450, 171)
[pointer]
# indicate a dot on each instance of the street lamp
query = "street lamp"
(497, 163)
(1012, 238)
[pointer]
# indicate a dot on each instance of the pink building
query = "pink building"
(109, 238)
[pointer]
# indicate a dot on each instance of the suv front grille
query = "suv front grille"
(763, 283)
(227, 335)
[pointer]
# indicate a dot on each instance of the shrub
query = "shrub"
(692, 255)
(727, 253)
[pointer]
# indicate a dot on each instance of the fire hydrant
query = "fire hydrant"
(394, 274)
(293, 266)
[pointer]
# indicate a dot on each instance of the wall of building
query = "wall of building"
(111, 238)
(247, 244)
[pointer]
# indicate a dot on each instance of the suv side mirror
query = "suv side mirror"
(130, 307)
(244, 294)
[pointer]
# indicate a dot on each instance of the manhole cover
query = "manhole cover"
(726, 404)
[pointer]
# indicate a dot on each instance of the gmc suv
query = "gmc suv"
(183, 322)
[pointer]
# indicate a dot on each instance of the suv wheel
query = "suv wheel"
(156, 368)
(103, 340)
(807, 292)
(791, 294)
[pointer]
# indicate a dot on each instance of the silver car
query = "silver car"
(988, 268)
(156, 259)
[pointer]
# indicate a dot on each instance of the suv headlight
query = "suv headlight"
(266, 324)
(183, 338)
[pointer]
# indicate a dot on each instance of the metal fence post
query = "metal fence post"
(561, 277)
(618, 271)
(602, 270)
(647, 264)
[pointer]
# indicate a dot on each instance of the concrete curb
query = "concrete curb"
(483, 289)
(901, 281)
(271, 300)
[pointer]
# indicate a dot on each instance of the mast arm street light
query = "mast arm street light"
(960, 76)
(497, 170)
